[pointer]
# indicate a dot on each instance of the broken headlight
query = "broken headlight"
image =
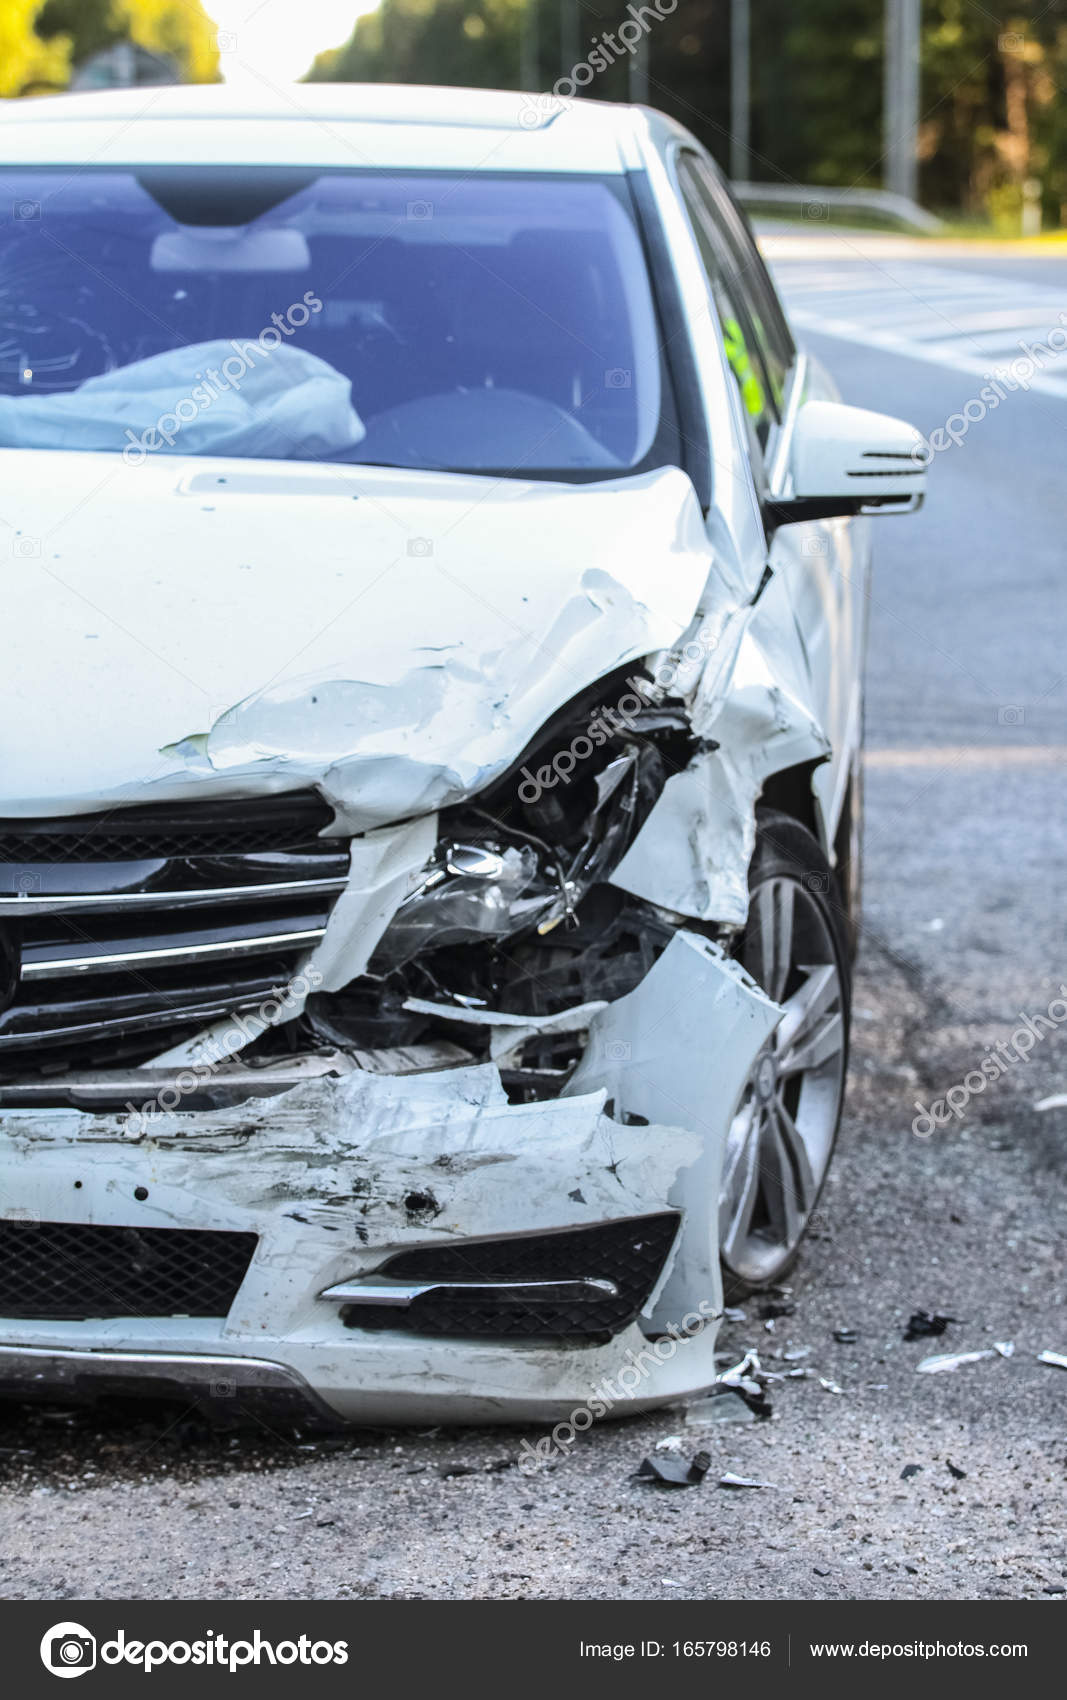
(469, 893)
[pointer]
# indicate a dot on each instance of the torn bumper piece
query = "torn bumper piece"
(359, 1180)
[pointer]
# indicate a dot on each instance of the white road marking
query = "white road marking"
(973, 322)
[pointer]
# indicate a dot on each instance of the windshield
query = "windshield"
(467, 322)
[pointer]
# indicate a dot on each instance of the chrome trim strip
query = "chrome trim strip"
(27, 904)
(403, 1293)
(63, 968)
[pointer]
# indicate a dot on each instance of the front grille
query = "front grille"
(169, 831)
(74, 1271)
(630, 1253)
(135, 928)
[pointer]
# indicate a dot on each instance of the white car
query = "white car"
(434, 617)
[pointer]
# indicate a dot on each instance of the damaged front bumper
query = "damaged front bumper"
(327, 1206)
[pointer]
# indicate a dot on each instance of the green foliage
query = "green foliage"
(179, 28)
(992, 115)
(26, 60)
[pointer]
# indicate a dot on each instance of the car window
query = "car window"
(776, 341)
(758, 344)
(468, 322)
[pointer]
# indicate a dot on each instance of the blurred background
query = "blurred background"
(950, 103)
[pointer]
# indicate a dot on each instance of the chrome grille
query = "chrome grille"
(145, 923)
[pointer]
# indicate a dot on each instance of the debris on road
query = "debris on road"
(953, 1360)
(748, 1379)
(725, 1407)
(924, 1324)
(955, 1472)
(846, 1336)
(734, 1313)
(729, 1480)
(743, 1375)
(1057, 1359)
(1058, 1101)
(675, 1472)
(910, 1470)
(830, 1386)
(670, 1443)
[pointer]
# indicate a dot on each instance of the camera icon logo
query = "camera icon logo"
(25, 548)
(420, 547)
(617, 378)
(26, 209)
(68, 1649)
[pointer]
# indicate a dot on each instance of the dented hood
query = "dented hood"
(191, 627)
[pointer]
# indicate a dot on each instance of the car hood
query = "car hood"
(186, 628)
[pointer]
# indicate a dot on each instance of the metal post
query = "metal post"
(900, 111)
(638, 73)
(569, 37)
(740, 88)
(529, 46)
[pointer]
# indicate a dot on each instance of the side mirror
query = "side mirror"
(845, 460)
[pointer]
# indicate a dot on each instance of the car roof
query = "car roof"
(327, 124)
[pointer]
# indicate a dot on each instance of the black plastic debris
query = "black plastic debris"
(955, 1472)
(773, 1308)
(675, 1472)
(845, 1336)
(924, 1324)
(910, 1470)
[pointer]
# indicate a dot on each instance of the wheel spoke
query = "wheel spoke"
(777, 1181)
(820, 1047)
(797, 1151)
(740, 1193)
(775, 915)
(811, 1000)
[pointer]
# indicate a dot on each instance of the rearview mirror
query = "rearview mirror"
(845, 460)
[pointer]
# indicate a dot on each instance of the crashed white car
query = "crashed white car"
(434, 624)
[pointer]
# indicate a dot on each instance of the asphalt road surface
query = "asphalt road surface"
(965, 904)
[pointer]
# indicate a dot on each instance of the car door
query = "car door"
(820, 564)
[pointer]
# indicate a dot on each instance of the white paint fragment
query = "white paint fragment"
(385, 867)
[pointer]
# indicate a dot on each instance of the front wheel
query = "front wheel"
(784, 1129)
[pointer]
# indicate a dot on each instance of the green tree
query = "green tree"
(993, 80)
(180, 29)
(25, 59)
